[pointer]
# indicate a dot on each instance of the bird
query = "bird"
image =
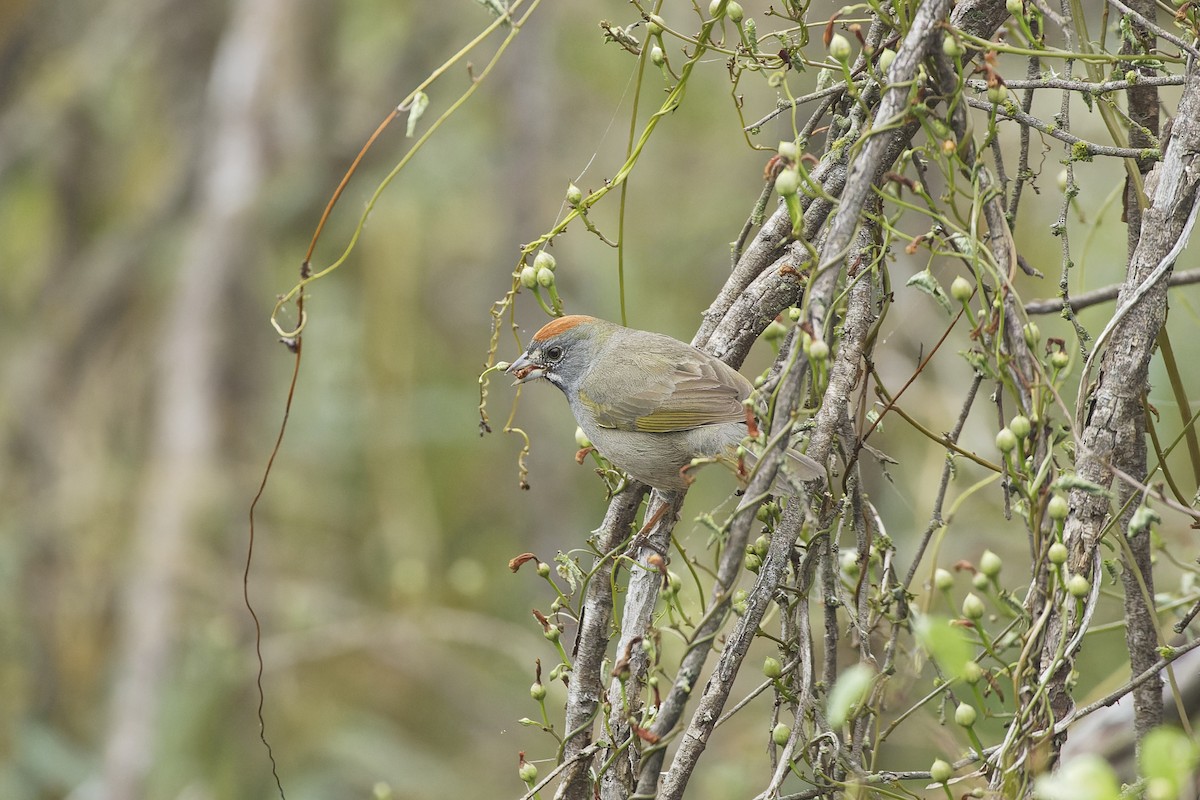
(649, 403)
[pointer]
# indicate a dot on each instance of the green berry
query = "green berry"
(961, 289)
(965, 715)
(1078, 586)
(655, 25)
(734, 11)
(780, 734)
(1059, 359)
(1057, 554)
(951, 46)
(574, 195)
(772, 668)
(1006, 441)
(818, 350)
(528, 277)
(972, 672)
(990, 564)
(657, 57)
(788, 150)
(545, 277)
(972, 607)
(543, 569)
(528, 773)
(1020, 426)
(996, 95)
(537, 691)
(544, 261)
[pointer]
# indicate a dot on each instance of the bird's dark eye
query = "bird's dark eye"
(554, 354)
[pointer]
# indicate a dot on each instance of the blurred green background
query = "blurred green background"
(162, 167)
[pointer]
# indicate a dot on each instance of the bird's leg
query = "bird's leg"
(582, 454)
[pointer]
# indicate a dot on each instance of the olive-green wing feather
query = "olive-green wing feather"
(667, 394)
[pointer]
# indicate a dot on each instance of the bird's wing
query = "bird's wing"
(671, 394)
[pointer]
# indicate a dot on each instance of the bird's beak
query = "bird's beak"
(524, 370)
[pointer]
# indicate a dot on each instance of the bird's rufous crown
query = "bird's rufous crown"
(556, 326)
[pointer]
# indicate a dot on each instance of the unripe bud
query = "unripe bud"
(1063, 178)
(818, 350)
(543, 569)
(965, 715)
(1057, 554)
(788, 183)
(775, 331)
(528, 773)
(528, 277)
(714, 8)
(655, 25)
(972, 607)
(980, 581)
(1015, 7)
(1006, 441)
(990, 564)
(772, 668)
(972, 672)
(941, 772)
(734, 11)
(886, 58)
(943, 581)
(961, 289)
(1078, 586)
(1020, 426)
(780, 734)
(1033, 334)
(544, 261)
(1058, 507)
(788, 150)
(552, 633)
(537, 691)
(839, 48)
(1059, 359)
(657, 57)
(581, 439)
(574, 195)
(996, 95)
(753, 562)
(545, 277)
(951, 46)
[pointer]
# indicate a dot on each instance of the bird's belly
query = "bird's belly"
(657, 458)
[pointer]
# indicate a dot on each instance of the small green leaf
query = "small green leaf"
(416, 108)
(850, 690)
(1072, 480)
(925, 282)
(569, 569)
(945, 644)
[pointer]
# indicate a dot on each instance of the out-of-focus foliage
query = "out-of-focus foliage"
(397, 645)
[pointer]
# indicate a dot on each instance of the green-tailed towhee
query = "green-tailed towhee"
(649, 403)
